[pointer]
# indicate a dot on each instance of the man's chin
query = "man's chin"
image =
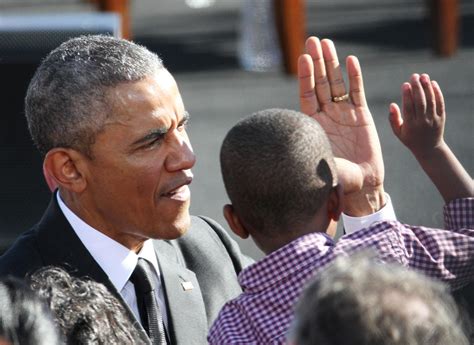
(174, 230)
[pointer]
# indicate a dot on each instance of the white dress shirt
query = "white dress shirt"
(352, 224)
(117, 261)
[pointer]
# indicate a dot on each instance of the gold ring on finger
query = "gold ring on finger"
(340, 98)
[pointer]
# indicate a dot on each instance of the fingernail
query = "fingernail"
(425, 78)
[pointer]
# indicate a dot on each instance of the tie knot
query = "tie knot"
(142, 277)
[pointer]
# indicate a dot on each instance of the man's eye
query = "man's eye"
(182, 126)
(153, 143)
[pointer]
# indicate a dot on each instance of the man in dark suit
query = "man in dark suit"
(109, 120)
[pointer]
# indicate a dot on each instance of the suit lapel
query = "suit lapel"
(60, 246)
(185, 306)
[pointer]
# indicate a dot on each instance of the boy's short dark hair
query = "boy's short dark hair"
(278, 169)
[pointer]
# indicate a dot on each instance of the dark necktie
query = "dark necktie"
(152, 321)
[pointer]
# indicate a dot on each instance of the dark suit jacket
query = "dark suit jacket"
(206, 256)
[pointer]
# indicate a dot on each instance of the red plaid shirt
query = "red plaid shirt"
(263, 313)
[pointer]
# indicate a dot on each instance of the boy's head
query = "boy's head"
(279, 171)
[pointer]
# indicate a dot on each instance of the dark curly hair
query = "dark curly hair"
(24, 317)
(85, 311)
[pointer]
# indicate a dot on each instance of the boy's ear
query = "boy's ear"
(335, 203)
(61, 169)
(234, 222)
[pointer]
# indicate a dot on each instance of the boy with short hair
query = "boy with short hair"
(281, 178)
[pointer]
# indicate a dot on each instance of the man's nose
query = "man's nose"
(181, 155)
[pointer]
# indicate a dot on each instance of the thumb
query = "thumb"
(395, 119)
(349, 175)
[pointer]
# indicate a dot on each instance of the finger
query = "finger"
(323, 91)
(407, 103)
(356, 83)
(308, 101)
(430, 96)
(396, 120)
(333, 68)
(419, 98)
(439, 99)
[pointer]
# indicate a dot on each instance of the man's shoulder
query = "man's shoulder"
(208, 238)
(207, 232)
(207, 227)
(202, 233)
(22, 257)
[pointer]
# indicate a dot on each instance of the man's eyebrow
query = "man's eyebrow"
(152, 135)
(185, 118)
(159, 132)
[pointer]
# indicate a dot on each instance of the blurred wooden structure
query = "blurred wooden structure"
(291, 25)
(445, 25)
(122, 7)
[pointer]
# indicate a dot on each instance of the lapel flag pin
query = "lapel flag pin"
(187, 286)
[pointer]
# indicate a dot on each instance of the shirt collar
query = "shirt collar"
(116, 260)
(283, 262)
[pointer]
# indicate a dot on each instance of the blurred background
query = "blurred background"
(232, 58)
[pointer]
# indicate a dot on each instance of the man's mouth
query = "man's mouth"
(179, 190)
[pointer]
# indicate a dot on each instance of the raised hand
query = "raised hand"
(344, 116)
(421, 129)
(422, 126)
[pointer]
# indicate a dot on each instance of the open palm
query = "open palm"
(353, 136)
(347, 122)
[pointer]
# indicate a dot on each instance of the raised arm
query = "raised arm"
(345, 118)
(421, 130)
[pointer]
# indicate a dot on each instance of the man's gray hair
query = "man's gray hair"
(66, 103)
(359, 301)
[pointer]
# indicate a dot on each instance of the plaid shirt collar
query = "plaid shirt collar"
(281, 263)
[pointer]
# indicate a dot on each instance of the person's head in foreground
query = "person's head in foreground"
(24, 317)
(280, 175)
(110, 122)
(84, 310)
(358, 301)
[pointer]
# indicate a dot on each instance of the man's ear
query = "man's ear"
(234, 222)
(335, 203)
(61, 168)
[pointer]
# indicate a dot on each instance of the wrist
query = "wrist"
(364, 202)
(386, 213)
(424, 155)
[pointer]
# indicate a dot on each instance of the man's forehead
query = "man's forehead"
(161, 83)
(145, 105)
